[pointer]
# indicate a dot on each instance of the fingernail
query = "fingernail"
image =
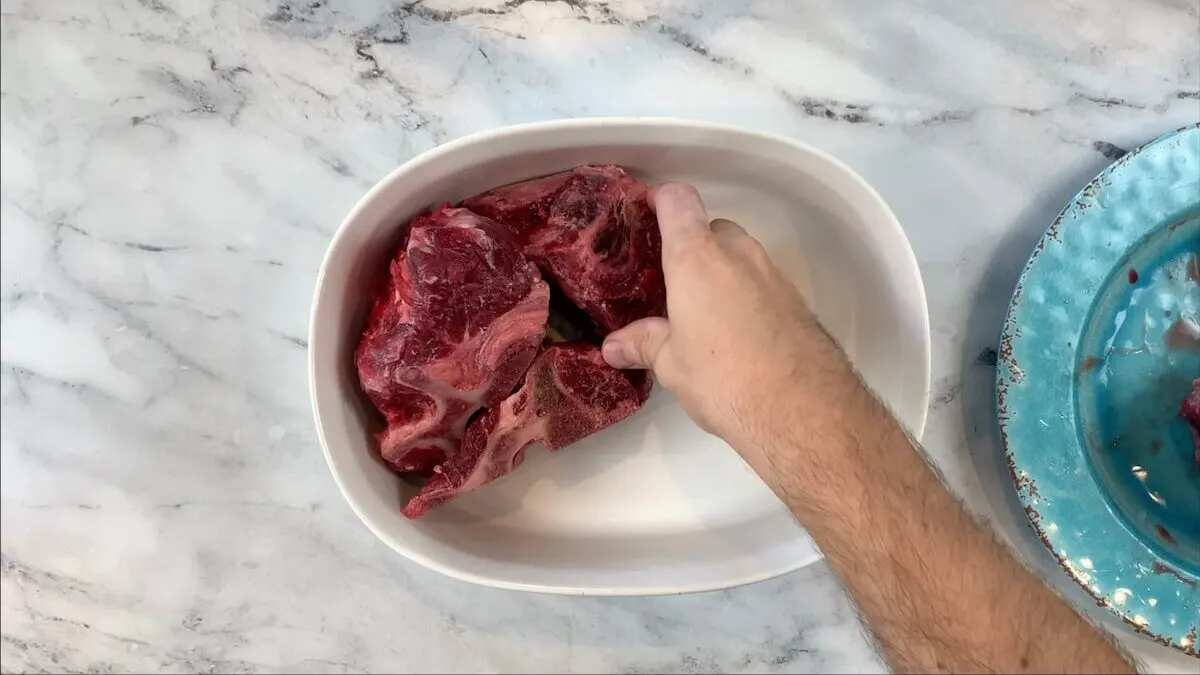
(616, 355)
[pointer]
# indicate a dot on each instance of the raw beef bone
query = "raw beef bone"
(456, 325)
(591, 231)
(569, 393)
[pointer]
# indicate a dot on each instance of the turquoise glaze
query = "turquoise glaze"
(1094, 361)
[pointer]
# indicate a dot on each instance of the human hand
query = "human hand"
(737, 330)
(751, 364)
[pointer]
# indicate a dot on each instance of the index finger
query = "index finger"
(682, 218)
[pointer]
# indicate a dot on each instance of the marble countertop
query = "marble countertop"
(173, 171)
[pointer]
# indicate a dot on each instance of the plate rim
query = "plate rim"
(908, 261)
(1078, 211)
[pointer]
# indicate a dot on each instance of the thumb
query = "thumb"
(636, 345)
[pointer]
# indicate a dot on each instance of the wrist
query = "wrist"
(804, 437)
(806, 387)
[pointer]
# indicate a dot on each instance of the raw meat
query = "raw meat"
(457, 323)
(465, 308)
(1190, 411)
(569, 393)
(591, 231)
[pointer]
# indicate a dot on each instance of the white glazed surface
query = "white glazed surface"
(165, 504)
(651, 505)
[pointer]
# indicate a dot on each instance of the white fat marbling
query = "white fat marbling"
(173, 170)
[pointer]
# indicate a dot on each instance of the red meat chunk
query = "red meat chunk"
(569, 393)
(591, 231)
(465, 308)
(458, 321)
(1190, 411)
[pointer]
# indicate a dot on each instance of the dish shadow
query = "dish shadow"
(981, 428)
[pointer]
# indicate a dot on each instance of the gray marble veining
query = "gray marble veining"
(172, 172)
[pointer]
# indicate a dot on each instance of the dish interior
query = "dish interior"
(1132, 377)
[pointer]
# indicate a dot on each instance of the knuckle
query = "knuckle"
(697, 252)
(644, 342)
(755, 250)
(677, 194)
(680, 190)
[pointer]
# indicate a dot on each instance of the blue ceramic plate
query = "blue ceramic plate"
(1098, 351)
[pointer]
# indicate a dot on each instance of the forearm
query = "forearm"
(939, 593)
